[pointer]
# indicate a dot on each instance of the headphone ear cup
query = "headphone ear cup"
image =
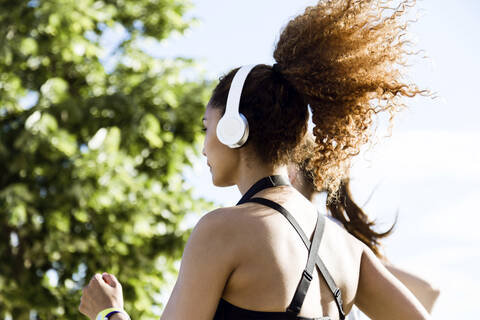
(233, 130)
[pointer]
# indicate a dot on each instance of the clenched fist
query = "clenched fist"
(102, 292)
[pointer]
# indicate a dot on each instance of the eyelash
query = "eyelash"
(204, 129)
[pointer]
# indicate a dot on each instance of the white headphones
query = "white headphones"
(232, 128)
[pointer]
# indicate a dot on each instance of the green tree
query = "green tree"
(94, 135)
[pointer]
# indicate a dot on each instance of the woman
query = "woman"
(344, 211)
(272, 256)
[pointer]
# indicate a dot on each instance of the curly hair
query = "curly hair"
(354, 219)
(340, 203)
(346, 60)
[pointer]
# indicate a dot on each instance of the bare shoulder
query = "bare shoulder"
(213, 227)
(336, 236)
(221, 225)
(232, 217)
(344, 267)
(213, 236)
(222, 220)
(236, 227)
(215, 218)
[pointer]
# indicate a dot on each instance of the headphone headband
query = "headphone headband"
(232, 128)
(236, 88)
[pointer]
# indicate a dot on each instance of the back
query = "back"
(272, 257)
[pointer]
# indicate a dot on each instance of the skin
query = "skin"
(423, 290)
(103, 291)
(250, 256)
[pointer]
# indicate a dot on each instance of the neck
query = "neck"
(253, 172)
(306, 190)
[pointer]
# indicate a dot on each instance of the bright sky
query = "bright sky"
(428, 171)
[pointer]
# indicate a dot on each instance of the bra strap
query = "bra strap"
(264, 183)
(337, 294)
(307, 275)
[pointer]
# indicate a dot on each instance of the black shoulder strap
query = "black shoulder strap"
(307, 276)
(264, 183)
(313, 259)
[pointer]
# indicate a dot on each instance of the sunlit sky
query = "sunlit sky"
(428, 171)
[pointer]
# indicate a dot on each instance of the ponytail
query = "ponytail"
(343, 58)
(346, 59)
(342, 207)
(340, 202)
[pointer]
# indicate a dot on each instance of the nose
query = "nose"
(203, 151)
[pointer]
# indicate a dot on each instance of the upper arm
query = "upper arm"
(207, 262)
(421, 288)
(381, 296)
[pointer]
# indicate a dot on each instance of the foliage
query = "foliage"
(94, 135)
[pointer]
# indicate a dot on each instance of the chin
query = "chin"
(219, 182)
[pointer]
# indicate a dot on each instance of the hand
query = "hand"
(103, 291)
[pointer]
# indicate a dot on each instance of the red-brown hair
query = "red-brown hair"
(340, 203)
(344, 59)
(343, 208)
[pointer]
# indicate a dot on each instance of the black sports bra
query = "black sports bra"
(228, 311)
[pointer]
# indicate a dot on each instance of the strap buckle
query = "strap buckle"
(307, 275)
(271, 181)
(338, 297)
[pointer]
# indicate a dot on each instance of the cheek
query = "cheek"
(222, 160)
(209, 144)
(213, 150)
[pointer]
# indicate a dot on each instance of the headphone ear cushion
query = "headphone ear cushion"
(233, 131)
